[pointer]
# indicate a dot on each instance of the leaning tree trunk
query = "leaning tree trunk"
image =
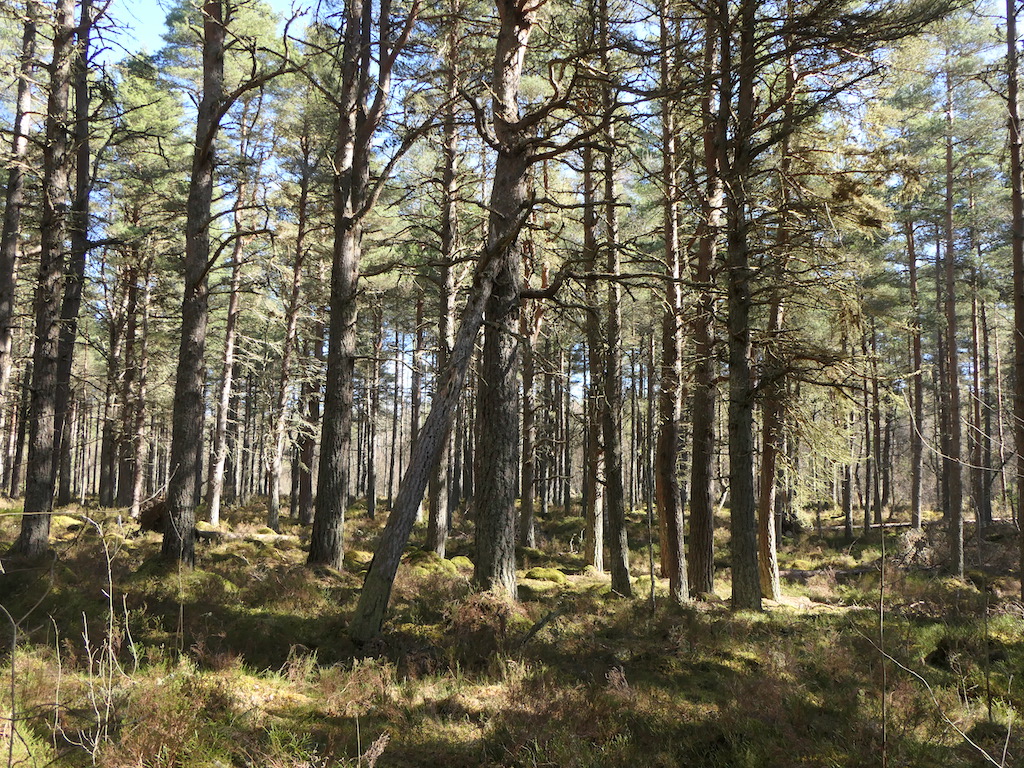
(33, 540)
(510, 191)
(187, 415)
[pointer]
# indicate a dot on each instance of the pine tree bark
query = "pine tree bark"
(667, 492)
(14, 200)
(746, 588)
(1017, 244)
(593, 488)
(952, 383)
(438, 508)
(917, 361)
(78, 225)
(365, 87)
(509, 207)
(33, 540)
(187, 417)
(701, 560)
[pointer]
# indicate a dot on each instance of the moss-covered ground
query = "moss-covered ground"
(123, 661)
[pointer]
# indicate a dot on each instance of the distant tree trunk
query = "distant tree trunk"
(531, 322)
(14, 200)
(917, 361)
(33, 540)
(593, 495)
(307, 443)
(395, 411)
(108, 439)
(566, 433)
(373, 385)
(138, 406)
(667, 492)
(19, 442)
(187, 417)
(416, 384)
(876, 430)
(1017, 243)
(439, 508)
(952, 383)
(125, 449)
(701, 560)
(280, 413)
(988, 405)
(774, 379)
(773, 437)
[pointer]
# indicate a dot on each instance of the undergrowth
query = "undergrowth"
(244, 661)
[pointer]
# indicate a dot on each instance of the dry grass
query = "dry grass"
(245, 661)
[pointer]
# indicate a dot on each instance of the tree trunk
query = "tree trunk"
(439, 509)
(373, 385)
(126, 423)
(917, 361)
(702, 521)
(187, 417)
(667, 492)
(531, 321)
(614, 491)
(139, 403)
(361, 103)
(33, 540)
(746, 589)
(78, 225)
(952, 383)
(593, 496)
(509, 206)
(14, 200)
(280, 413)
(773, 436)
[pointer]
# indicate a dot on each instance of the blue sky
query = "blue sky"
(143, 22)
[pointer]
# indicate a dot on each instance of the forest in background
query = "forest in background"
(549, 301)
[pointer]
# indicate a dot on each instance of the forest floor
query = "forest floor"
(244, 661)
